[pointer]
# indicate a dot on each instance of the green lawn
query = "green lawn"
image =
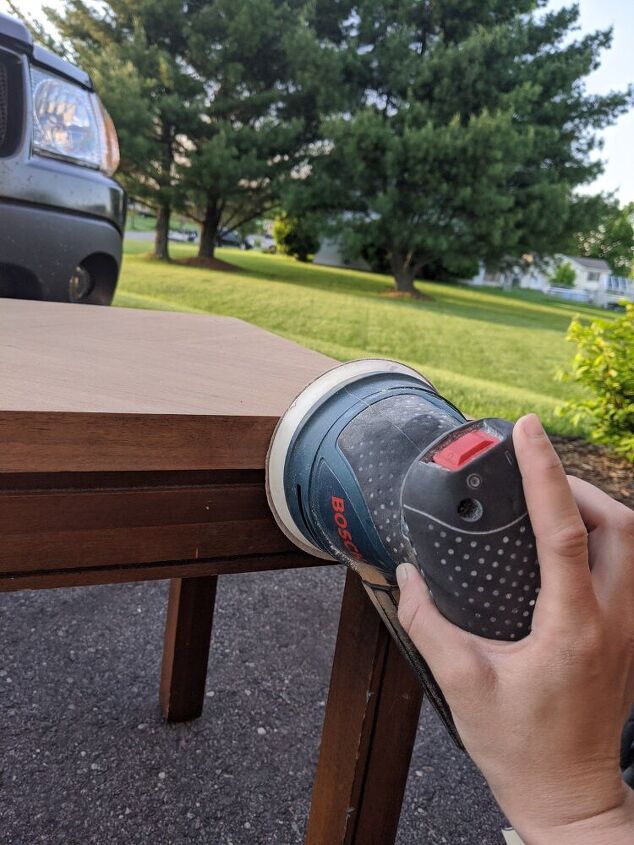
(490, 352)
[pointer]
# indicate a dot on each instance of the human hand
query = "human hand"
(542, 717)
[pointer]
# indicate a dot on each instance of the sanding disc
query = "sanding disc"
(317, 392)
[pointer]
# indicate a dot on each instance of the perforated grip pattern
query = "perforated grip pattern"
(487, 583)
(380, 445)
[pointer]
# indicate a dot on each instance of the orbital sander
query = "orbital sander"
(372, 467)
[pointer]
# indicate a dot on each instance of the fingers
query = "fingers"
(445, 647)
(596, 507)
(562, 544)
(611, 542)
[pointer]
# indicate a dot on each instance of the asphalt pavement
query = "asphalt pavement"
(139, 236)
(86, 758)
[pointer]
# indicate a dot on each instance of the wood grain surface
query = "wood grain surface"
(93, 389)
(134, 440)
(60, 357)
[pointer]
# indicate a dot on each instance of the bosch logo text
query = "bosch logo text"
(339, 507)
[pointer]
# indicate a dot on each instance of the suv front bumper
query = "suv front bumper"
(42, 247)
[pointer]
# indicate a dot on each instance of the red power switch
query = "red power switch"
(464, 449)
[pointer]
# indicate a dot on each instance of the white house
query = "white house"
(329, 254)
(593, 283)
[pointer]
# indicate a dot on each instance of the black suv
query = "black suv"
(62, 216)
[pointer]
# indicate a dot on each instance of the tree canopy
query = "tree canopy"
(137, 54)
(265, 76)
(470, 131)
(426, 134)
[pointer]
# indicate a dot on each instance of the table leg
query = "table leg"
(368, 735)
(186, 649)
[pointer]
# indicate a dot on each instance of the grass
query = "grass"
(136, 223)
(493, 353)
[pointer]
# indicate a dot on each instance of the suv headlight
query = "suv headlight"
(72, 123)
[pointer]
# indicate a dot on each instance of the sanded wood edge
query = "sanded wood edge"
(12, 582)
(93, 442)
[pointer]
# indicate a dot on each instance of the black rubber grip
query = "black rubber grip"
(465, 516)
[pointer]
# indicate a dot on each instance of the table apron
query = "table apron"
(59, 531)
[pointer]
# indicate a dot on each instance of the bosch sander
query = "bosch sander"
(372, 467)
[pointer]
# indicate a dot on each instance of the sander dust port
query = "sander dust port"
(371, 466)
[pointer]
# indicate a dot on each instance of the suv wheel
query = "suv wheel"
(80, 285)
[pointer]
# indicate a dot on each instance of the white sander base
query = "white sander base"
(305, 404)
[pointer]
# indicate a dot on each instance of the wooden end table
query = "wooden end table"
(132, 447)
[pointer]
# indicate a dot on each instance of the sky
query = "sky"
(616, 71)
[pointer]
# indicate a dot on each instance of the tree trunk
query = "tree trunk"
(161, 241)
(209, 232)
(404, 274)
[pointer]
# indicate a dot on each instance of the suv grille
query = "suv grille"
(4, 103)
(11, 103)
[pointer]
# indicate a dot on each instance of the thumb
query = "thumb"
(445, 647)
(562, 539)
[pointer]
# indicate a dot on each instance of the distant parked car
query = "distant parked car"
(571, 294)
(265, 243)
(187, 235)
(228, 238)
(62, 215)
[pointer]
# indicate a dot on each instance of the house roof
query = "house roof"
(591, 263)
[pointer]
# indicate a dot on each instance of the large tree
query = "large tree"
(612, 239)
(137, 53)
(471, 131)
(265, 66)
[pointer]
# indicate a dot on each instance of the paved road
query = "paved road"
(148, 236)
(138, 236)
(85, 757)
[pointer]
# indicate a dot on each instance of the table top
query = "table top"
(88, 388)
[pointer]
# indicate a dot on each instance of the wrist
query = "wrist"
(612, 826)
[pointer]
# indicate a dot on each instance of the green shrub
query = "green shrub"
(296, 236)
(604, 364)
(564, 276)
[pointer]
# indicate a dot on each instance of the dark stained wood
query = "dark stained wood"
(11, 582)
(78, 549)
(186, 647)
(133, 536)
(14, 482)
(72, 528)
(395, 724)
(46, 441)
(70, 510)
(369, 727)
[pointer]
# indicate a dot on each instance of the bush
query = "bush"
(564, 276)
(604, 364)
(295, 236)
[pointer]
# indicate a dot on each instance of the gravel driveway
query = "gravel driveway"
(86, 757)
